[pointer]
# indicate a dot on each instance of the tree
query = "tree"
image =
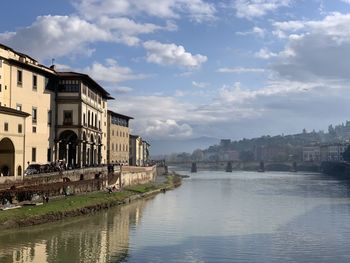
(197, 155)
(246, 156)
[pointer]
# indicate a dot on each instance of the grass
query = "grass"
(75, 203)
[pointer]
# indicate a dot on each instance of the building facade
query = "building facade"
(118, 143)
(48, 115)
(136, 150)
(12, 142)
(27, 86)
(81, 127)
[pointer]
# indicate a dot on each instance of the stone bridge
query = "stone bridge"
(229, 166)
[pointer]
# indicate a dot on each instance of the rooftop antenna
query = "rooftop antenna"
(52, 61)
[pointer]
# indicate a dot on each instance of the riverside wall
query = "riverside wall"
(131, 175)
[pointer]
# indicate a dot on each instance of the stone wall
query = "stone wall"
(131, 175)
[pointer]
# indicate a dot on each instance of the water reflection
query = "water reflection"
(103, 237)
(212, 217)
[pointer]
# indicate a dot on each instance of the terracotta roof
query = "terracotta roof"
(119, 115)
(86, 78)
(11, 111)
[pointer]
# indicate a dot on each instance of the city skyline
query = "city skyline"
(186, 69)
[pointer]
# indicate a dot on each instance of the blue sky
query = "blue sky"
(192, 68)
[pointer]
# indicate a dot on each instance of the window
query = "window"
(69, 86)
(19, 77)
(99, 125)
(95, 120)
(19, 128)
(88, 118)
(6, 126)
(34, 114)
(35, 82)
(49, 154)
(33, 154)
(112, 146)
(49, 117)
(84, 119)
(34, 129)
(19, 171)
(0, 63)
(67, 117)
(19, 107)
(112, 132)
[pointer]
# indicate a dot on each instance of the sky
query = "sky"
(191, 68)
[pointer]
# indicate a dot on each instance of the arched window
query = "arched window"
(19, 170)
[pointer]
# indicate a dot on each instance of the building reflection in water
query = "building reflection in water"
(103, 237)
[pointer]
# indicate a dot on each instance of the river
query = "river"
(212, 217)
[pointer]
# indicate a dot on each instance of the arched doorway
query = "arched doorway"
(7, 157)
(68, 142)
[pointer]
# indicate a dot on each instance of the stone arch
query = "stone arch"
(68, 141)
(7, 157)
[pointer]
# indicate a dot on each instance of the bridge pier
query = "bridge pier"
(261, 167)
(194, 167)
(229, 167)
(294, 167)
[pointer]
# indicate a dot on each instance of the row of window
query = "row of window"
(91, 120)
(20, 80)
(120, 121)
(19, 127)
(121, 134)
(35, 114)
(122, 147)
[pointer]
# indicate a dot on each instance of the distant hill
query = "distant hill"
(162, 147)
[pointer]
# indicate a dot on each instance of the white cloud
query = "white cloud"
(240, 70)
(55, 36)
(197, 10)
(256, 8)
(121, 90)
(167, 128)
(258, 31)
(315, 49)
(200, 85)
(265, 53)
(171, 54)
(111, 72)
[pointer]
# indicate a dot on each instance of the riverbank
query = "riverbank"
(71, 206)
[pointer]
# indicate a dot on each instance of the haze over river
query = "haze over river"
(212, 217)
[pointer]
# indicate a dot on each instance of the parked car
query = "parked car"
(32, 169)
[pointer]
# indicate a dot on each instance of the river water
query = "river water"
(212, 217)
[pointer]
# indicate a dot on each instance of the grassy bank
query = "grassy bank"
(70, 206)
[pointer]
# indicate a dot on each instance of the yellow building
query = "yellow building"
(12, 141)
(81, 128)
(118, 138)
(27, 86)
(68, 115)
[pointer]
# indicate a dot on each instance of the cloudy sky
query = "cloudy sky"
(192, 68)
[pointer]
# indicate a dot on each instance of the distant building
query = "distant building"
(136, 150)
(145, 149)
(333, 152)
(311, 153)
(118, 143)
